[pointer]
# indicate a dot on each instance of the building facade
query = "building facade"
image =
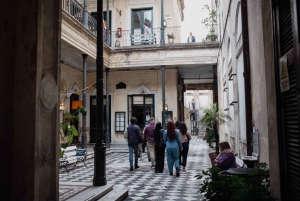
(258, 81)
(134, 69)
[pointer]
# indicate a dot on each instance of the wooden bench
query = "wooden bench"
(72, 155)
(143, 39)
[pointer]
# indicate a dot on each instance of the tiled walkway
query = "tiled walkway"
(144, 183)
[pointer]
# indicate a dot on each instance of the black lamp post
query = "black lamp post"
(99, 149)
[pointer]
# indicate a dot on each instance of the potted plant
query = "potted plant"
(210, 22)
(171, 37)
(210, 121)
(117, 42)
(68, 128)
(220, 187)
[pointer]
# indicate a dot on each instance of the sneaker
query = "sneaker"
(136, 167)
(152, 166)
(171, 173)
(177, 172)
(131, 168)
(183, 169)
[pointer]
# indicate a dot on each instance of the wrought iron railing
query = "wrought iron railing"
(76, 10)
(127, 37)
(132, 37)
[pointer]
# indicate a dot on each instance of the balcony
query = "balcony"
(75, 9)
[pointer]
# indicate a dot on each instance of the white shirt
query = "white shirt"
(190, 39)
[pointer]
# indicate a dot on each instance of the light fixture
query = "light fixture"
(165, 23)
(62, 106)
(166, 107)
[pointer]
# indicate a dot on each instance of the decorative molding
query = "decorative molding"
(142, 89)
(233, 102)
(231, 77)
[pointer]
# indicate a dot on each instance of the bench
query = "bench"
(143, 39)
(72, 155)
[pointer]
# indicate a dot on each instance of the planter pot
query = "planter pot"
(117, 43)
(212, 157)
(171, 40)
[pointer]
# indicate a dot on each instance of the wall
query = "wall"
(30, 51)
(148, 79)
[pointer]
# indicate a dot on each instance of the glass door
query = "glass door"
(138, 18)
(141, 107)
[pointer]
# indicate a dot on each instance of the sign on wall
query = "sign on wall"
(284, 74)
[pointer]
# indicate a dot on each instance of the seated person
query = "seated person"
(226, 158)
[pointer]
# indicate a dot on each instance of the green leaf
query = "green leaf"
(74, 131)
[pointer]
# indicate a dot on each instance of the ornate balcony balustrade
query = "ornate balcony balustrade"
(135, 37)
(76, 10)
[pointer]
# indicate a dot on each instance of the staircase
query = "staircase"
(109, 192)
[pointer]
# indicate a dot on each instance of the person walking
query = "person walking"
(191, 38)
(172, 139)
(160, 146)
(134, 138)
(185, 138)
(149, 134)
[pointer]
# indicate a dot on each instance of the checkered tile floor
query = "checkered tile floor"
(144, 183)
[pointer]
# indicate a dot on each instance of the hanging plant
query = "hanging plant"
(68, 128)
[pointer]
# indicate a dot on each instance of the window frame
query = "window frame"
(117, 127)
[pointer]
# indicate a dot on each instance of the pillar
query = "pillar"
(30, 80)
(83, 136)
(107, 134)
(163, 95)
(99, 149)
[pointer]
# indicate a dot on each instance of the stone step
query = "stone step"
(119, 193)
(92, 193)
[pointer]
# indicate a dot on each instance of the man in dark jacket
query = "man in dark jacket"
(134, 138)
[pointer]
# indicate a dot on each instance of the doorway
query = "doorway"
(138, 18)
(93, 120)
(141, 107)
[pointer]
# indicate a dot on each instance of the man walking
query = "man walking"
(149, 134)
(191, 38)
(134, 138)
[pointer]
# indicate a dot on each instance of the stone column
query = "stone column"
(29, 119)
(99, 149)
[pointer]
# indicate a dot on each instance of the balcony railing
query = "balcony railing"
(128, 37)
(135, 37)
(76, 10)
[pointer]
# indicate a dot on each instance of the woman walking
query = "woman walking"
(171, 136)
(160, 146)
(185, 138)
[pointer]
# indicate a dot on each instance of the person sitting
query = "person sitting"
(226, 158)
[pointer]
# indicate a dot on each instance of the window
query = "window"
(120, 121)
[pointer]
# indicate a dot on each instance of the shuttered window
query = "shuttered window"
(289, 118)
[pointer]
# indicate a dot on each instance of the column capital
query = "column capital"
(84, 56)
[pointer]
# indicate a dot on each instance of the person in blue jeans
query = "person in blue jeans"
(173, 145)
(134, 138)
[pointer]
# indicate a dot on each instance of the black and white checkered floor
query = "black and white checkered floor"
(144, 183)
